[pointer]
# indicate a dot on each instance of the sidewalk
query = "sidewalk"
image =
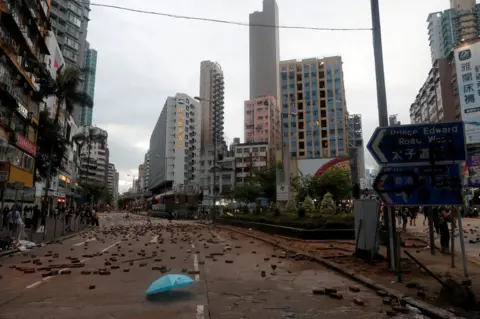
(54, 228)
(471, 236)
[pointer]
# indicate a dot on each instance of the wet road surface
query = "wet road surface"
(236, 277)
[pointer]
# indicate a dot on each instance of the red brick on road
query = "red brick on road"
(104, 274)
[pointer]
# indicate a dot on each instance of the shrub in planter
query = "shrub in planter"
(291, 207)
(328, 206)
(308, 206)
(301, 212)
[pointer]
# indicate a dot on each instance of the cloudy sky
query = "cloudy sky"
(143, 58)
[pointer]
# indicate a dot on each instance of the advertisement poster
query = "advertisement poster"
(473, 164)
(467, 64)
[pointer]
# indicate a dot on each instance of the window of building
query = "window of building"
(71, 43)
(73, 19)
(27, 162)
(15, 156)
(74, 8)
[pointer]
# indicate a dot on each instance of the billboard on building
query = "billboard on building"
(472, 171)
(317, 166)
(55, 60)
(467, 63)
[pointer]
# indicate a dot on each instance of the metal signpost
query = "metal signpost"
(420, 167)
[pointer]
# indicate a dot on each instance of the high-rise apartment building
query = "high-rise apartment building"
(23, 49)
(356, 149)
(264, 51)
(314, 110)
(212, 101)
(435, 35)
(112, 172)
(435, 101)
(248, 158)
(89, 84)
(448, 28)
(141, 178)
(175, 144)
(262, 123)
(69, 23)
(466, 19)
(146, 164)
(94, 158)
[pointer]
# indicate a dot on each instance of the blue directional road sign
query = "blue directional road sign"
(420, 185)
(425, 143)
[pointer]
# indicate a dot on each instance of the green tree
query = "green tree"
(66, 88)
(308, 206)
(328, 205)
(266, 179)
(247, 192)
(336, 181)
(51, 147)
(302, 185)
(88, 139)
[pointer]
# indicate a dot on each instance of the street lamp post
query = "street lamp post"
(214, 199)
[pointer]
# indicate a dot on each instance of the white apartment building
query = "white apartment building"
(146, 164)
(94, 157)
(435, 35)
(248, 157)
(224, 174)
(175, 144)
(212, 100)
(112, 172)
(264, 51)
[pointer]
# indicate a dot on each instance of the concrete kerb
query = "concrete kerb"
(427, 309)
(15, 251)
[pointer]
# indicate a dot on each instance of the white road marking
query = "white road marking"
(86, 241)
(200, 312)
(111, 246)
(154, 239)
(195, 266)
(35, 284)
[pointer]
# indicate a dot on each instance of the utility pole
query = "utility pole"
(382, 118)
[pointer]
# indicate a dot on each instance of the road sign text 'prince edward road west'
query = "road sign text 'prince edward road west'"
(418, 143)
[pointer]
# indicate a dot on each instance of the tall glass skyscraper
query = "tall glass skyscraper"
(89, 84)
(314, 112)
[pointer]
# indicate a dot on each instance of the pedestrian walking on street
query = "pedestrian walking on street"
(5, 217)
(28, 217)
(443, 217)
(36, 216)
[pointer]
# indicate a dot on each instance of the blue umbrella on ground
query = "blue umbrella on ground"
(169, 282)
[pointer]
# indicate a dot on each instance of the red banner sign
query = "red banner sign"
(26, 145)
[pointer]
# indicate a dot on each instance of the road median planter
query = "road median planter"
(307, 234)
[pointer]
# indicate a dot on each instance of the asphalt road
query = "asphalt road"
(227, 268)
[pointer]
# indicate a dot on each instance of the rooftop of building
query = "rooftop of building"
(313, 59)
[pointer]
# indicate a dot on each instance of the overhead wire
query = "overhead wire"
(243, 24)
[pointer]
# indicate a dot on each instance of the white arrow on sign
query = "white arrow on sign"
(376, 144)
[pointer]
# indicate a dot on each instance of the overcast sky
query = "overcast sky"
(143, 58)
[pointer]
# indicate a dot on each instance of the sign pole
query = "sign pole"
(462, 241)
(452, 239)
(381, 101)
(391, 231)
